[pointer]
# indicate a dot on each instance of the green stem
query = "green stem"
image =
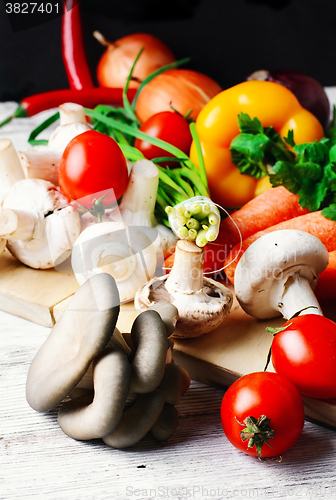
(129, 109)
(155, 73)
(49, 121)
(20, 112)
(195, 180)
(200, 158)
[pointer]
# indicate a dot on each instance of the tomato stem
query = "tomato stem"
(257, 432)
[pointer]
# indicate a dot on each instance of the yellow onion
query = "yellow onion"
(115, 64)
(182, 89)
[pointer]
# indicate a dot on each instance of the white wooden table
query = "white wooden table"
(39, 461)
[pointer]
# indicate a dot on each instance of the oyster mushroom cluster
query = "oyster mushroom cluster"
(110, 389)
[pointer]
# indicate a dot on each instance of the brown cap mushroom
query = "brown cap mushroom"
(202, 303)
(277, 274)
(81, 334)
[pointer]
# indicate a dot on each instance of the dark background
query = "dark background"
(226, 39)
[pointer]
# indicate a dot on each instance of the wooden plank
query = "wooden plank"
(30, 293)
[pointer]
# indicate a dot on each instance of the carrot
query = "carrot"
(313, 223)
(325, 290)
(271, 207)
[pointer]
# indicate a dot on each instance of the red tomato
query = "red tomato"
(305, 353)
(93, 162)
(269, 394)
(168, 126)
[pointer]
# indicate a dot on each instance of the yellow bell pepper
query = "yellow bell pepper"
(217, 125)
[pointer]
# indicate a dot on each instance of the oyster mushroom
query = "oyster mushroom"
(80, 335)
(42, 162)
(202, 303)
(277, 274)
(94, 417)
(137, 420)
(38, 223)
(150, 345)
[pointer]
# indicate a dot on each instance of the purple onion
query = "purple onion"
(308, 91)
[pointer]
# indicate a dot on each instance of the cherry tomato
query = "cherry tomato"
(263, 394)
(93, 162)
(168, 126)
(305, 353)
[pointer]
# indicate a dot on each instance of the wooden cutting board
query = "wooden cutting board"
(33, 294)
(239, 346)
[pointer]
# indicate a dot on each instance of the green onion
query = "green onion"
(49, 121)
(201, 239)
(182, 232)
(155, 73)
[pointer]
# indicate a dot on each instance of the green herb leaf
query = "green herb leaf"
(249, 126)
(248, 151)
(330, 212)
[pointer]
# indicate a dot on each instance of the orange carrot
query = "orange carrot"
(313, 223)
(325, 290)
(271, 207)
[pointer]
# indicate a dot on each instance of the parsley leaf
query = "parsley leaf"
(256, 148)
(308, 170)
(330, 212)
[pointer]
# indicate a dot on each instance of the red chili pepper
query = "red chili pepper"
(73, 49)
(90, 98)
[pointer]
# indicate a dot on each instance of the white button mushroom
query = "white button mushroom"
(202, 303)
(39, 232)
(277, 274)
(123, 251)
(10, 167)
(42, 162)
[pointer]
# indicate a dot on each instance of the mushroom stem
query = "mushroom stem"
(297, 295)
(71, 113)
(17, 224)
(138, 202)
(187, 273)
(10, 167)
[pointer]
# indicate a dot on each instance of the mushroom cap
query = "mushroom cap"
(198, 313)
(55, 234)
(86, 418)
(263, 270)
(82, 332)
(35, 195)
(123, 251)
(63, 134)
(2, 245)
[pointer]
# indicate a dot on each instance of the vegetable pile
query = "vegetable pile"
(141, 178)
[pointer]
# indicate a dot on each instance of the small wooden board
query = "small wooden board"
(33, 294)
